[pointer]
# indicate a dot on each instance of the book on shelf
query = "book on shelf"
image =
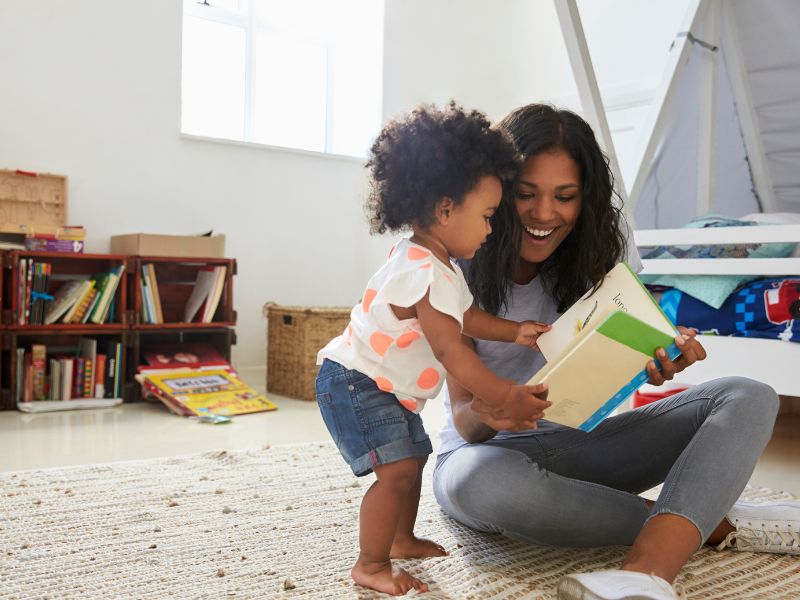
(206, 294)
(110, 283)
(67, 373)
(154, 295)
(47, 244)
(182, 356)
(38, 360)
(63, 299)
(598, 350)
(193, 392)
(149, 290)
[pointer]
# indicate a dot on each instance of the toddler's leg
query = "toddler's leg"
(380, 513)
(406, 544)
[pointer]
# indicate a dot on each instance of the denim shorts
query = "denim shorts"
(370, 427)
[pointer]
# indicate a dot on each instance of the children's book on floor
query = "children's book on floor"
(598, 349)
(193, 392)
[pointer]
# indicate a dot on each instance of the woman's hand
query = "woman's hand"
(528, 332)
(522, 407)
(691, 352)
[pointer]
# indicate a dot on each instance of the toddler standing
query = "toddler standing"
(440, 173)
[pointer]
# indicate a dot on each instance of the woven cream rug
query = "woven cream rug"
(250, 524)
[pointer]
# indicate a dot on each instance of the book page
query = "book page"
(621, 290)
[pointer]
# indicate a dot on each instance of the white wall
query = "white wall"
(91, 89)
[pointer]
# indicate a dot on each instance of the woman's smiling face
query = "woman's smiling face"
(548, 200)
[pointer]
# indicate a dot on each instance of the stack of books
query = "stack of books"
(64, 239)
(75, 301)
(48, 377)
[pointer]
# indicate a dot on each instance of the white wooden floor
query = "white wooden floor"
(145, 430)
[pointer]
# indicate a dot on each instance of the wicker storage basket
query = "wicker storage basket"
(294, 336)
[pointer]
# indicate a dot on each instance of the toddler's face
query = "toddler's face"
(469, 226)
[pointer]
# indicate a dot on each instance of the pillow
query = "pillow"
(714, 289)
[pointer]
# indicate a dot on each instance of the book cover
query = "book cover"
(62, 301)
(101, 312)
(86, 289)
(177, 356)
(620, 290)
(214, 295)
(202, 287)
(600, 369)
(218, 391)
(598, 350)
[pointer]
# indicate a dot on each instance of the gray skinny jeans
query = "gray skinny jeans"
(571, 488)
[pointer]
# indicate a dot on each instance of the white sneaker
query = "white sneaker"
(767, 527)
(614, 585)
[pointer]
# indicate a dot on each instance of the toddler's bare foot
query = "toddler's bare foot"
(383, 578)
(414, 547)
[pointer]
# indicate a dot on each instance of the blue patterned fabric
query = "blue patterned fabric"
(767, 308)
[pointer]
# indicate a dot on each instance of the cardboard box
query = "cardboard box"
(150, 244)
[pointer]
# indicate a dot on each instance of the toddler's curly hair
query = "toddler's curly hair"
(430, 154)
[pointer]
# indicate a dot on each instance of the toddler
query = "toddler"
(440, 173)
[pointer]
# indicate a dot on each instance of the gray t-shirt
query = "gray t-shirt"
(509, 361)
(512, 361)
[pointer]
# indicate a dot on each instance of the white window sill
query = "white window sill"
(256, 145)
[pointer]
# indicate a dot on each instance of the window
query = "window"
(302, 74)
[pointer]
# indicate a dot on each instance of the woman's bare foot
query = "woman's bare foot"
(414, 547)
(383, 578)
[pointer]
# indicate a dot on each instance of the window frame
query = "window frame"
(247, 19)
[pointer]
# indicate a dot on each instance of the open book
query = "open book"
(598, 349)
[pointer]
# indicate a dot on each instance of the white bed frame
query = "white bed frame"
(774, 362)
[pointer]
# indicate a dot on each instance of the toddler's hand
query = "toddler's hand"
(519, 409)
(528, 332)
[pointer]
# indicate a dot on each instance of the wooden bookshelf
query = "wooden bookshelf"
(175, 277)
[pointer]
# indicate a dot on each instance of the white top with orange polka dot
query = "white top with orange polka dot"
(392, 352)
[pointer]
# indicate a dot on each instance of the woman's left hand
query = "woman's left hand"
(691, 351)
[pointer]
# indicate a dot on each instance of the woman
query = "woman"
(553, 485)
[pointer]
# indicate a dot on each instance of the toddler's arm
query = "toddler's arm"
(443, 334)
(481, 325)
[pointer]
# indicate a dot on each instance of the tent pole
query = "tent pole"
(588, 90)
(709, 81)
(746, 110)
(656, 118)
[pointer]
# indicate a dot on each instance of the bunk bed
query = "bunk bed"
(773, 361)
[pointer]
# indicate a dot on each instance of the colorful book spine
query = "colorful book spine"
(88, 378)
(77, 378)
(41, 244)
(99, 375)
(38, 369)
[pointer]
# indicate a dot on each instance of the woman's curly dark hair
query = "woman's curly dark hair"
(431, 154)
(591, 249)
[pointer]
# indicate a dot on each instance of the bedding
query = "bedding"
(767, 308)
(714, 290)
